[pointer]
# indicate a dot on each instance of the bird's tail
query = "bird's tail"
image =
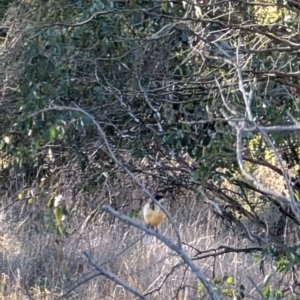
(148, 239)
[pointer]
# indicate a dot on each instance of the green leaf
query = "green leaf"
(200, 287)
(278, 294)
(50, 202)
(164, 5)
(267, 291)
(134, 213)
(53, 133)
(59, 230)
(58, 214)
(230, 280)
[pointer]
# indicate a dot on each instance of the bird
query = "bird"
(153, 215)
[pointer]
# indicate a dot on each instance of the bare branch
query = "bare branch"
(247, 97)
(157, 113)
(230, 109)
(256, 287)
(180, 252)
(63, 296)
(263, 163)
(257, 184)
(157, 289)
(112, 277)
(287, 178)
(279, 128)
(225, 250)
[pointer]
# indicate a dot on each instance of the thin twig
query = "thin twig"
(256, 287)
(112, 277)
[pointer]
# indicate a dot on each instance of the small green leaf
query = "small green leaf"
(200, 287)
(164, 6)
(267, 292)
(59, 231)
(230, 280)
(50, 202)
(58, 213)
(133, 213)
(53, 133)
(278, 294)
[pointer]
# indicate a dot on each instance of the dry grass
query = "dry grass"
(46, 267)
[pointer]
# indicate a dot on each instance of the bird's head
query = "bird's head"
(158, 198)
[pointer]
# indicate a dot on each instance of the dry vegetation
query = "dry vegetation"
(43, 266)
(35, 263)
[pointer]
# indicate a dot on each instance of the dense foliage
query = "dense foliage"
(169, 83)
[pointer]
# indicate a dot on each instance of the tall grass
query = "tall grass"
(43, 266)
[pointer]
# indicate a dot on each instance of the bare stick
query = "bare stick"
(180, 252)
(112, 277)
(258, 185)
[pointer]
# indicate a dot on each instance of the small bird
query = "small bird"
(153, 215)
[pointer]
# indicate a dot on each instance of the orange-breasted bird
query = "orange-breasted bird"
(153, 215)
